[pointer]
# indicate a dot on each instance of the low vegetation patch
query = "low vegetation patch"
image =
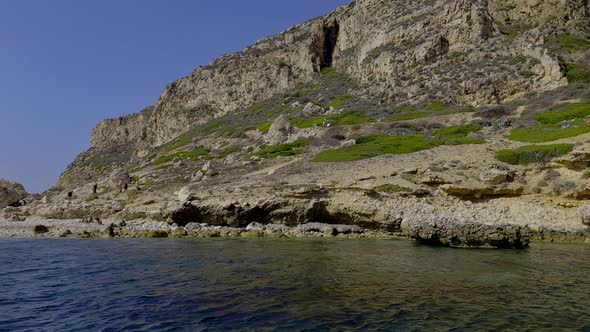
(264, 127)
(573, 43)
(177, 143)
(577, 73)
(288, 149)
(227, 151)
(339, 102)
(569, 112)
(435, 108)
(379, 144)
(565, 122)
(344, 119)
(425, 114)
(392, 188)
(533, 153)
(198, 154)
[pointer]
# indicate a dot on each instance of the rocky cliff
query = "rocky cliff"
(454, 122)
(459, 51)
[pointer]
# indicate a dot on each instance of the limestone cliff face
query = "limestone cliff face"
(404, 51)
(460, 52)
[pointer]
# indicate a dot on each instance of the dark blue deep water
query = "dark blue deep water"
(291, 285)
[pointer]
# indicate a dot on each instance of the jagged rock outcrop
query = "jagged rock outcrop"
(11, 193)
(279, 131)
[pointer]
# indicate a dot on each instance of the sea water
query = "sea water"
(289, 285)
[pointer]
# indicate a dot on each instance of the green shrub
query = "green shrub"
(177, 143)
(569, 112)
(403, 109)
(533, 153)
(376, 145)
(436, 106)
(339, 102)
(264, 127)
(379, 144)
(550, 130)
(410, 112)
(184, 155)
(573, 43)
(213, 126)
(577, 73)
(540, 134)
(457, 135)
(344, 119)
(288, 149)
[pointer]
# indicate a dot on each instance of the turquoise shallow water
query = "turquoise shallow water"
(291, 285)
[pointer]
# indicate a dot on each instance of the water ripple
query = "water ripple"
(295, 285)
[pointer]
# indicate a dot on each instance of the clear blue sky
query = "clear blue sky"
(67, 64)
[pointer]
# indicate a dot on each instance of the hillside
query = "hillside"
(392, 116)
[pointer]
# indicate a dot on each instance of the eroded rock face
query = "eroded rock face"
(119, 177)
(11, 193)
(448, 232)
(584, 214)
(373, 40)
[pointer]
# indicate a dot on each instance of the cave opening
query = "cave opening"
(330, 40)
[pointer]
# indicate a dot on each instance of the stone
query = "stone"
(193, 227)
(494, 176)
(452, 232)
(478, 190)
(119, 177)
(279, 131)
(315, 227)
(348, 229)
(584, 214)
(348, 144)
(65, 233)
(278, 228)
(255, 226)
(179, 233)
(311, 110)
(11, 193)
(157, 234)
(206, 167)
(198, 176)
(577, 160)
(117, 206)
(187, 195)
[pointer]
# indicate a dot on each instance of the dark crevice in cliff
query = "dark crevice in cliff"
(331, 33)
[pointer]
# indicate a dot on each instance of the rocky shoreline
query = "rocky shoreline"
(442, 232)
